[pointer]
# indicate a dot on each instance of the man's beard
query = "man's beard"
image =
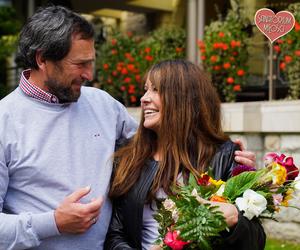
(63, 93)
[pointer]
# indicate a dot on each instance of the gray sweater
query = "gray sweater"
(47, 151)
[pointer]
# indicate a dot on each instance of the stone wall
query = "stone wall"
(264, 127)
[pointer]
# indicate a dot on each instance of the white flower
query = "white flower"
(252, 203)
(221, 190)
(169, 205)
(297, 185)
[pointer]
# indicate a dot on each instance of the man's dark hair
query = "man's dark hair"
(50, 31)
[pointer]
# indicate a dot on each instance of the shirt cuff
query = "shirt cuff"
(44, 225)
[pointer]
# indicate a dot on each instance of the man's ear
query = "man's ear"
(40, 60)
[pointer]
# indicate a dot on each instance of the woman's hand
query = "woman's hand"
(243, 156)
(230, 212)
(155, 247)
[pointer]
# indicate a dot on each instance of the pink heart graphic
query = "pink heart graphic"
(274, 26)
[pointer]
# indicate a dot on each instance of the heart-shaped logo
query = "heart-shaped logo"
(274, 26)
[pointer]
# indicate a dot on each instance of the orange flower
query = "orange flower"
(226, 65)
(237, 87)
(297, 52)
(179, 50)
(230, 80)
(218, 198)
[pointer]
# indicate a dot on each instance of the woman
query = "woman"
(180, 134)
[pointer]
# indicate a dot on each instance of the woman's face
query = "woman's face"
(151, 106)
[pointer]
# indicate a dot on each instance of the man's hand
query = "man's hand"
(74, 217)
(244, 157)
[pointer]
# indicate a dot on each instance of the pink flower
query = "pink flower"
(172, 241)
(287, 162)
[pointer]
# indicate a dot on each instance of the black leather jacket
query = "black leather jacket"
(126, 223)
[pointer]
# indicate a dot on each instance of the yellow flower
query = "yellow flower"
(287, 197)
(217, 183)
(278, 173)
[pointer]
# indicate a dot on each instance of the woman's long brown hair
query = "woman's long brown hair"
(189, 131)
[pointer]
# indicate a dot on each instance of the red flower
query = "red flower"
(114, 73)
(240, 72)
(234, 44)
(127, 80)
(124, 71)
(242, 168)
(114, 52)
(113, 42)
(132, 99)
(172, 240)
(130, 67)
(297, 52)
(224, 46)
(237, 88)
(279, 41)
(201, 44)
(288, 59)
(297, 26)
(230, 80)
(123, 88)
(105, 66)
(131, 89)
(128, 55)
(203, 58)
(147, 50)
(277, 48)
(289, 41)
(129, 33)
(287, 162)
(203, 180)
(217, 67)
(221, 34)
(282, 66)
(213, 58)
(138, 78)
(226, 65)
(149, 58)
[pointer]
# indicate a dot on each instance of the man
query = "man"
(57, 139)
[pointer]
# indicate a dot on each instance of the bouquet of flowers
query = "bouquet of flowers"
(185, 221)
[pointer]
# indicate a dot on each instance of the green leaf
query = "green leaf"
(237, 185)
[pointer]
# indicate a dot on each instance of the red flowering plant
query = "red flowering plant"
(190, 218)
(224, 53)
(125, 58)
(288, 51)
